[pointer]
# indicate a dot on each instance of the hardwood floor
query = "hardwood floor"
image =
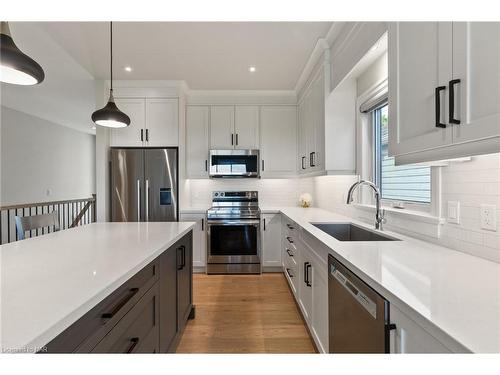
(244, 314)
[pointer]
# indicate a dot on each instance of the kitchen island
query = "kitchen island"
(67, 291)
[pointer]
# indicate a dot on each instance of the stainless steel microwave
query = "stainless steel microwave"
(234, 163)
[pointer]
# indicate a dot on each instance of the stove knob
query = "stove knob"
(216, 194)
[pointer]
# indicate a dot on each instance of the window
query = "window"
(406, 183)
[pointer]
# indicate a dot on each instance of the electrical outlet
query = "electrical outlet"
(453, 212)
(489, 217)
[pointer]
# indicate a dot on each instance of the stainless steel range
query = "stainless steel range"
(233, 233)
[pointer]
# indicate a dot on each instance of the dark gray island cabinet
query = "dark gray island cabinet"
(146, 314)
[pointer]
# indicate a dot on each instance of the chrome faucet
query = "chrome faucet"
(379, 215)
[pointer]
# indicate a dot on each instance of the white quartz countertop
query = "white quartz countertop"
(442, 289)
(49, 282)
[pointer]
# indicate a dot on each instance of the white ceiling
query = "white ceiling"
(207, 55)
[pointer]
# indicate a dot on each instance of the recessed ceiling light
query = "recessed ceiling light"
(128, 68)
(252, 69)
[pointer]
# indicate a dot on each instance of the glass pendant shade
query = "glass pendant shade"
(110, 116)
(16, 67)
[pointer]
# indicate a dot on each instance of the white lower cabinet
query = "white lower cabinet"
(306, 270)
(199, 239)
(409, 337)
(271, 240)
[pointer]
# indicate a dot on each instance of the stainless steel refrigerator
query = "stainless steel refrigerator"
(144, 184)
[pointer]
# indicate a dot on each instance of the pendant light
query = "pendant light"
(16, 67)
(110, 116)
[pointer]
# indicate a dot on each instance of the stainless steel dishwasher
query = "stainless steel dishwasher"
(358, 316)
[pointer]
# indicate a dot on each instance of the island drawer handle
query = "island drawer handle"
(289, 252)
(131, 293)
(289, 239)
(134, 341)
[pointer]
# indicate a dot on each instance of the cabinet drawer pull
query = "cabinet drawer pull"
(451, 107)
(133, 343)
(289, 252)
(290, 227)
(182, 263)
(437, 94)
(131, 292)
(264, 220)
(302, 162)
(289, 239)
(288, 272)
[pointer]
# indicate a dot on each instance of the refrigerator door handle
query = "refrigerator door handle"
(138, 200)
(147, 200)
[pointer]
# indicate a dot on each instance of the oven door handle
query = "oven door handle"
(233, 222)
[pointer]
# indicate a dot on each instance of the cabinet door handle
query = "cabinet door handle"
(308, 267)
(289, 252)
(305, 273)
(390, 344)
(206, 165)
(183, 256)
(302, 162)
(133, 343)
(262, 164)
(451, 108)
(264, 221)
(232, 139)
(181, 262)
(289, 239)
(147, 135)
(202, 225)
(142, 135)
(311, 159)
(437, 94)
(289, 226)
(236, 139)
(130, 293)
(288, 272)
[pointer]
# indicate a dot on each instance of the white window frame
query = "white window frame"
(365, 150)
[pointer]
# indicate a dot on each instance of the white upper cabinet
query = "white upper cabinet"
(197, 130)
(419, 61)
(162, 122)
(246, 127)
(131, 135)
(444, 90)
(312, 126)
(153, 123)
(222, 127)
(278, 141)
(476, 63)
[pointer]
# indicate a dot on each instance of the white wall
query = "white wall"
(43, 161)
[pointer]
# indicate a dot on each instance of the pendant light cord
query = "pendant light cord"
(111, 33)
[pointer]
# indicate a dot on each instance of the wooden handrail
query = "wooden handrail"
(39, 204)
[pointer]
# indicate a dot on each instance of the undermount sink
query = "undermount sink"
(352, 232)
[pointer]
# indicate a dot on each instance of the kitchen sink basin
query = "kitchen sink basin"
(351, 232)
